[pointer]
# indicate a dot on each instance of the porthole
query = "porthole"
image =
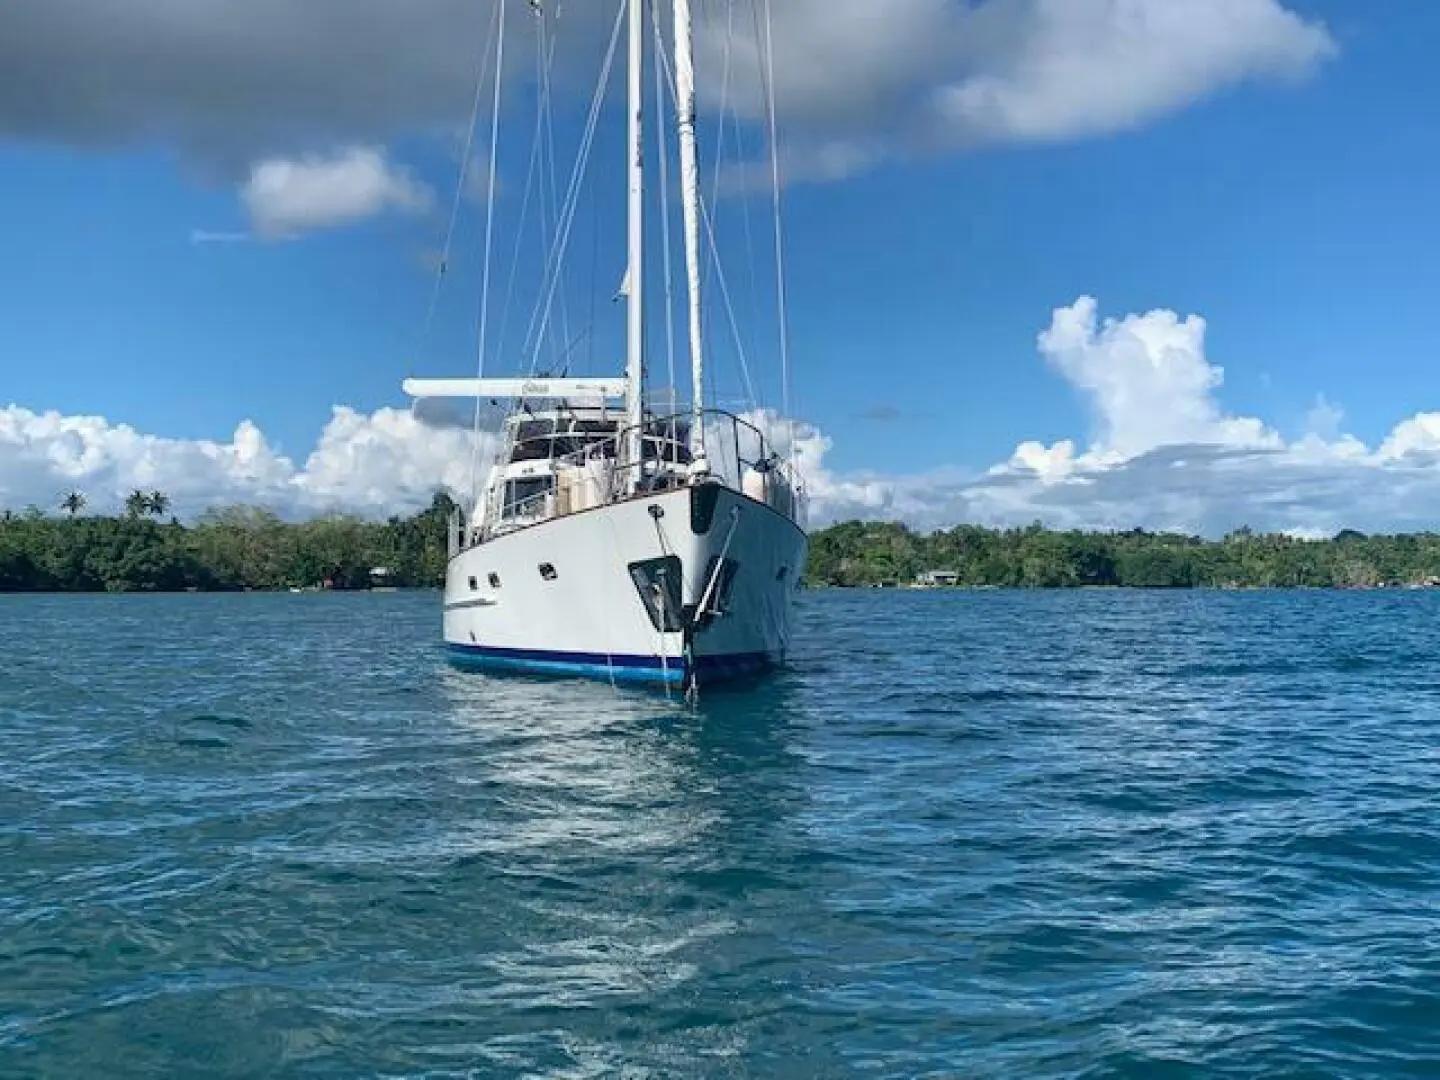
(547, 571)
(474, 584)
(494, 580)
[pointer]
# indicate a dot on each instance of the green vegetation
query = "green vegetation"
(867, 554)
(245, 548)
(235, 548)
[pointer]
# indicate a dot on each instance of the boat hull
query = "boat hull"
(577, 596)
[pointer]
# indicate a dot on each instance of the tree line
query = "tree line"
(226, 549)
(248, 548)
(874, 554)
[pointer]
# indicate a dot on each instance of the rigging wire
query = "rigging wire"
(489, 248)
(781, 299)
(724, 100)
(550, 187)
(742, 167)
(720, 277)
(725, 108)
(722, 281)
(540, 318)
(545, 59)
(482, 67)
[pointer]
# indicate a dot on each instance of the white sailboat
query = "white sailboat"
(611, 539)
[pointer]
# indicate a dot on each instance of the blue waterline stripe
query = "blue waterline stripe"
(622, 668)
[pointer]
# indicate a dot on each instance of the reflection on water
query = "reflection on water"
(625, 817)
(964, 835)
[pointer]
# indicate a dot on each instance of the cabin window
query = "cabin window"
(540, 440)
(783, 574)
(667, 446)
(494, 580)
(547, 571)
(526, 497)
(658, 583)
(533, 440)
(474, 584)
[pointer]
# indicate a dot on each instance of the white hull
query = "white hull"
(585, 614)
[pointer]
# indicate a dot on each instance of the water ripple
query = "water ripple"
(968, 834)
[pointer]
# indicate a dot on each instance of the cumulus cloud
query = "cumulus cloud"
(1163, 453)
(284, 197)
(386, 462)
(236, 81)
(1097, 66)
(232, 81)
(829, 495)
(1146, 379)
(1324, 419)
(857, 81)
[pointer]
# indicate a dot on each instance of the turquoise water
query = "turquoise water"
(966, 835)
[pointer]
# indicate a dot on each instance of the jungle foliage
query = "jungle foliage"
(226, 549)
(246, 548)
(868, 554)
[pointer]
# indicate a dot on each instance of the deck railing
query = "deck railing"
(733, 447)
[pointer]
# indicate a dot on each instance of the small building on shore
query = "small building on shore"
(937, 579)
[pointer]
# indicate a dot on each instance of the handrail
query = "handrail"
(665, 451)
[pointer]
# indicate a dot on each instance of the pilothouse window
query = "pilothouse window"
(541, 440)
(525, 498)
(668, 441)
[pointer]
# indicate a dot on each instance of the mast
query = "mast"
(690, 195)
(635, 268)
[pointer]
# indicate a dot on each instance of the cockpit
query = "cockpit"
(550, 436)
(562, 461)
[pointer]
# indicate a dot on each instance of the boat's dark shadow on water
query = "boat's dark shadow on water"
(760, 693)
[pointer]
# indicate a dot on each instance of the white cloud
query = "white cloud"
(1146, 379)
(235, 81)
(377, 464)
(858, 81)
(829, 494)
(284, 197)
(1324, 419)
(1097, 66)
(1416, 439)
(1164, 454)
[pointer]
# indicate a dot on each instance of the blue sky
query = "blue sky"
(1282, 190)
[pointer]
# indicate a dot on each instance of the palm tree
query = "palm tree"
(137, 503)
(73, 502)
(157, 503)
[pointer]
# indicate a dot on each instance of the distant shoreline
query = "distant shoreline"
(898, 589)
(890, 555)
(1121, 588)
(221, 592)
(244, 549)
(237, 549)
